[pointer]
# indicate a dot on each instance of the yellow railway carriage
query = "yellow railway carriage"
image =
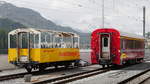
(39, 48)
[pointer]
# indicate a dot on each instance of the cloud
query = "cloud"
(87, 14)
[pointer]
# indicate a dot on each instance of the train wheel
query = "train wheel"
(103, 66)
(56, 67)
(108, 65)
(142, 60)
(41, 68)
(28, 68)
(66, 66)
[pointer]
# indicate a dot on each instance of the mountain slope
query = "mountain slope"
(33, 19)
(7, 24)
(28, 17)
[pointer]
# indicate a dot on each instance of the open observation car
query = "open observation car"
(41, 48)
(112, 47)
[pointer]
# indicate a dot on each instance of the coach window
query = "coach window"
(43, 40)
(50, 40)
(31, 40)
(129, 44)
(133, 44)
(23, 39)
(44, 43)
(137, 44)
(105, 42)
(141, 44)
(36, 41)
(57, 41)
(122, 44)
(76, 42)
(46, 40)
(12, 41)
(67, 39)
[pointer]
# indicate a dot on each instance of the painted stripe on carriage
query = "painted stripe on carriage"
(69, 53)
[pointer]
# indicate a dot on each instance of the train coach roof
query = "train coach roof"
(23, 30)
(37, 31)
(125, 34)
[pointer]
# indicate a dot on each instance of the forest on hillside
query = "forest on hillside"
(7, 25)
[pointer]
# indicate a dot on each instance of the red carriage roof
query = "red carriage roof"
(132, 35)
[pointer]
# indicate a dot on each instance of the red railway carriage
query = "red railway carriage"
(112, 47)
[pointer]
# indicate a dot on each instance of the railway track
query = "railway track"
(145, 80)
(61, 78)
(77, 76)
(21, 75)
(72, 77)
(12, 76)
(138, 78)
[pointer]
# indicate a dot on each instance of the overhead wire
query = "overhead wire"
(81, 5)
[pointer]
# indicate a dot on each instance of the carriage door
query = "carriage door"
(23, 47)
(105, 46)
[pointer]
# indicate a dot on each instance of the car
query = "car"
(113, 47)
(40, 48)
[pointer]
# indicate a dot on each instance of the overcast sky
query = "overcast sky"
(86, 15)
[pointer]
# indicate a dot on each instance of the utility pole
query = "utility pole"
(144, 20)
(103, 14)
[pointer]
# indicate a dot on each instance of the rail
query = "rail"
(21, 75)
(73, 77)
(135, 78)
